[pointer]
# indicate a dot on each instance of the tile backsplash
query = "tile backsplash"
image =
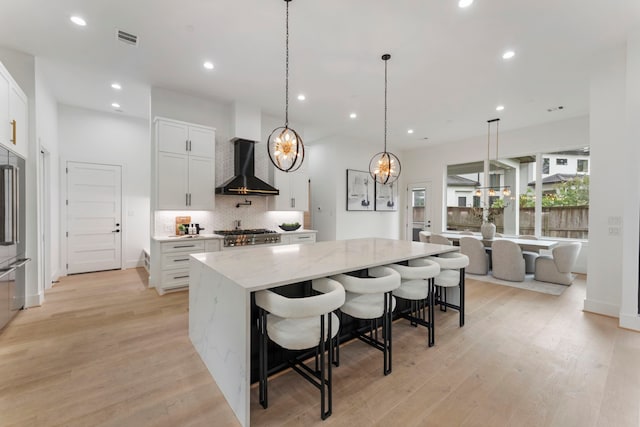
(224, 215)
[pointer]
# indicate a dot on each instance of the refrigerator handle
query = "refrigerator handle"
(15, 204)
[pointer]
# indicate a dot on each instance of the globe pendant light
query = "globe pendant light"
(285, 147)
(384, 167)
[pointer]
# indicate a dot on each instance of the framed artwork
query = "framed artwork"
(386, 197)
(360, 191)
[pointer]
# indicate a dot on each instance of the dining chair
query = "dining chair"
(558, 267)
(478, 257)
(529, 254)
(439, 239)
(507, 261)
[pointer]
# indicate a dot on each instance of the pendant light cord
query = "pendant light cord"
(286, 79)
(385, 58)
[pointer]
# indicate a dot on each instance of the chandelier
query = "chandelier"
(384, 167)
(285, 147)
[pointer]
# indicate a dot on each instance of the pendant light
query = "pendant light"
(384, 167)
(285, 147)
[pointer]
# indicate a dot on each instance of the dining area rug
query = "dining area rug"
(529, 284)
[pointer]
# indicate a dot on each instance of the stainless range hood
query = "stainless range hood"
(244, 182)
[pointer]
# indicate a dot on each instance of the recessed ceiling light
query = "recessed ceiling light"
(116, 86)
(78, 21)
(410, 131)
(500, 108)
(208, 65)
(465, 3)
(115, 105)
(353, 115)
(301, 97)
(508, 54)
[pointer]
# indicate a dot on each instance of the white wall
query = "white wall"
(329, 160)
(97, 137)
(47, 141)
(607, 131)
(631, 214)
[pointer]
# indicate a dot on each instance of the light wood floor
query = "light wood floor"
(106, 351)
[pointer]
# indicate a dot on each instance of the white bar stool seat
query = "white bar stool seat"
(452, 274)
(417, 281)
(370, 299)
(300, 324)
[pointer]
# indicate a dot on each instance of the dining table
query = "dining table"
(525, 244)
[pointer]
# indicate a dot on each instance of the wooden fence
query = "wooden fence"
(562, 221)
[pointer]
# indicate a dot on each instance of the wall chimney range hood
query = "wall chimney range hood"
(244, 182)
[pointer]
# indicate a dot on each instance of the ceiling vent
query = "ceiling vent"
(127, 38)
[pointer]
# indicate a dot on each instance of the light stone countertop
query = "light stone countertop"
(186, 237)
(272, 266)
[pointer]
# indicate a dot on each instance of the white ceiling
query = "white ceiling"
(446, 73)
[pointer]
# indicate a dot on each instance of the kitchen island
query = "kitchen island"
(221, 286)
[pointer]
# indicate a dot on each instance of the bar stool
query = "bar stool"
(370, 298)
(452, 269)
(417, 286)
(300, 324)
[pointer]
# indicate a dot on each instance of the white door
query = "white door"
(419, 210)
(94, 217)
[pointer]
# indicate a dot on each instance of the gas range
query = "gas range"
(258, 236)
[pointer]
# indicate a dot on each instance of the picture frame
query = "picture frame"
(386, 197)
(360, 191)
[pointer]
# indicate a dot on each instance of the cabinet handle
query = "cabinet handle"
(184, 246)
(303, 237)
(181, 277)
(186, 145)
(189, 204)
(186, 199)
(181, 260)
(13, 131)
(189, 145)
(293, 202)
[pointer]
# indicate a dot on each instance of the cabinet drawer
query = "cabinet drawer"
(187, 247)
(173, 260)
(303, 238)
(174, 278)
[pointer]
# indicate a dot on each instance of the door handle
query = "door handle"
(116, 231)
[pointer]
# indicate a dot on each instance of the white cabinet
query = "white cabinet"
(185, 165)
(294, 189)
(170, 262)
(289, 239)
(13, 115)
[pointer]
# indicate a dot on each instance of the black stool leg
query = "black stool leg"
(462, 297)
(263, 363)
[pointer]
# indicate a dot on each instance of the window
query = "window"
(583, 165)
(565, 197)
(462, 201)
(545, 166)
(476, 201)
(462, 182)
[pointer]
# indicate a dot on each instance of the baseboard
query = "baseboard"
(600, 307)
(134, 264)
(630, 321)
(34, 300)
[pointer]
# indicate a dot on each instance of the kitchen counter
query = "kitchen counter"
(201, 236)
(221, 284)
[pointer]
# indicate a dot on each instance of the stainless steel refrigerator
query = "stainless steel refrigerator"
(12, 233)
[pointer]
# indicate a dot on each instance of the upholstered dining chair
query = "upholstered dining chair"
(478, 257)
(439, 239)
(507, 261)
(558, 267)
(300, 324)
(424, 236)
(466, 233)
(371, 298)
(529, 254)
